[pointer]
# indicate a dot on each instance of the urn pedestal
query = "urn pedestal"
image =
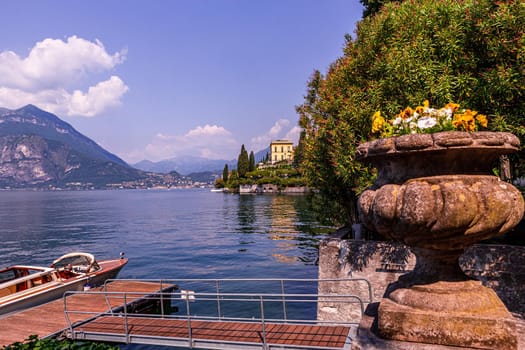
(436, 194)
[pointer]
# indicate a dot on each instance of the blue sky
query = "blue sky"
(157, 79)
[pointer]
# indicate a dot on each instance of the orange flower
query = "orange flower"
(482, 120)
(407, 113)
(465, 120)
(453, 106)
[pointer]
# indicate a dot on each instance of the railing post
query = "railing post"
(108, 303)
(188, 313)
(217, 290)
(126, 326)
(66, 313)
(262, 323)
(284, 300)
(161, 300)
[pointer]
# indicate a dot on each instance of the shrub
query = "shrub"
(471, 52)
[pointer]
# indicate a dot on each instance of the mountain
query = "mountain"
(41, 150)
(261, 155)
(185, 165)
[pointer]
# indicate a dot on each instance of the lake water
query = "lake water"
(165, 233)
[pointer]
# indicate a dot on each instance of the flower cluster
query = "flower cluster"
(424, 119)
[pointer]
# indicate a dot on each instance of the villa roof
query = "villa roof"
(281, 142)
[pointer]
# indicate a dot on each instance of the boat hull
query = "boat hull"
(55, 290)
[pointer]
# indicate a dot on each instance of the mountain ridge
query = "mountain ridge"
(190, 164)
(31, 120)
(39, 150)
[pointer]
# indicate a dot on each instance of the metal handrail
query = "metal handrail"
(261, 299)
(220, 297)
(282, 281)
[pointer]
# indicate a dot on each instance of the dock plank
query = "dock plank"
(227, 333)
(47, 319)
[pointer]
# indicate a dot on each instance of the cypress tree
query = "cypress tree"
(251, 166)
(243, 162)
(225, 173)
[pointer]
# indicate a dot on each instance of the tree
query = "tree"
(471, 52)
(242, 163)
(251, 162)
(225, 173)
(299, 151)
(371, 7)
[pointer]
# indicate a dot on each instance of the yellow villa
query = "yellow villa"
(281, 150)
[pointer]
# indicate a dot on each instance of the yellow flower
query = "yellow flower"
(465, 120)
(407, 113)
(377, 122)
(482, 120)
(415, 120)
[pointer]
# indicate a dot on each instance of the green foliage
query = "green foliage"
(219, 183)
(282, 176)
(471, 52)
(243, 163)
(33, 343)
(371, 7)
(299, 151)
(225, 173)
(251, 162)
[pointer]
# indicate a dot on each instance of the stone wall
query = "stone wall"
(271, 188)
(499, 267)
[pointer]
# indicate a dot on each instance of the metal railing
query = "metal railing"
(224, 301)
(254, 285)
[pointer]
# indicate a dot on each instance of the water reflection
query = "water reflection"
(166, 234)
(246, 213)
(283, 219)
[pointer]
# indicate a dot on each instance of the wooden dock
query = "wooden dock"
(213, 334)
(49, 319)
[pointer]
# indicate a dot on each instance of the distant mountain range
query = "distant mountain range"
(41, 150)
(188, 164)
(184, 165)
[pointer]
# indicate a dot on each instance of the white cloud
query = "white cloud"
(279, 130)
(208, 130)
(104, 95)
(293, 134)
(54, 74)
(278, 127)
(208, 141)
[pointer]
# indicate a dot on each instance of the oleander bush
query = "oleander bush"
(471, 52)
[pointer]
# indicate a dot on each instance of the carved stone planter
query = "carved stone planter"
(435, 193)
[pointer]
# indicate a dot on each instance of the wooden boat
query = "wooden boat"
(23, 286)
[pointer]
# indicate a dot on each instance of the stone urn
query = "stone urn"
(437, 194)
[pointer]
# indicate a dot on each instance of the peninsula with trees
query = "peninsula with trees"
(277, 172)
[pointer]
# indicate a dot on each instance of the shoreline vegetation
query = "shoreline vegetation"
(266, 177)
(279, 178)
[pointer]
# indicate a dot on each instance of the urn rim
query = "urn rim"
(497, 142)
